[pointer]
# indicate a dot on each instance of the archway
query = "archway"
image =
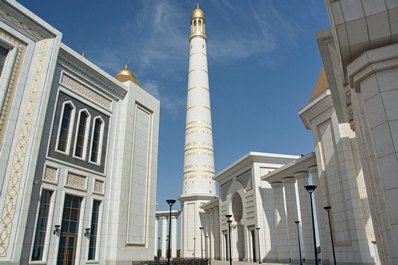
(237, 213)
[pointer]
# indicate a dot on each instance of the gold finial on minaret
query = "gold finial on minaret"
(126, 64)
(198, 22)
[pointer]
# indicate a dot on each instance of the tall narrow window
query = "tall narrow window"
(41, 226)
(81, 134)
(96, 141)
(65, 127)
(94, 230)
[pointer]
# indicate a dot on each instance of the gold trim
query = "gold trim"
(192, 127)
(200, 107)
(198, 148)
(194, 53)
(204, 70)
(24, 136)
(199, 171)
(198, 87)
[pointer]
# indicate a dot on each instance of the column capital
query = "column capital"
(288, 180)
(301, 174)
(276, 184)
(174, 217)
(313, 169)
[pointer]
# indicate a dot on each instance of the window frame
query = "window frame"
(48, 226)
(100, 142)
(98, 236)
(6, 73)
(86, 134)
(70, 130)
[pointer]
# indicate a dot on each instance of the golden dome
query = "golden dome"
(321, 85)
(198, 13)
(126, 75)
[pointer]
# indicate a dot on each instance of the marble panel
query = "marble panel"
(373, 6)
(389, 171)
(369, 87)
(387, 79)
(375, 111)
(378, 26)
(382, 140)
(390, 100)
(352, 9)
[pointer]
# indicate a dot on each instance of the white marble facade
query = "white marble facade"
(75, 167)
(251, 203)
(360, 53)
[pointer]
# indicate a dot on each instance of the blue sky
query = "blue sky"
(263, 63)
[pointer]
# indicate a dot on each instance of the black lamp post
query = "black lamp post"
(258, 242)
(229, 221)
(311, 189)
(158, 246)
(170, 203)
(201, 242)
(194, 247)
(328, 208)
(298, 238)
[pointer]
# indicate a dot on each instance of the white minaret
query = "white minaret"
(198, 184)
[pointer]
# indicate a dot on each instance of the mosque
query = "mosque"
(78, 156)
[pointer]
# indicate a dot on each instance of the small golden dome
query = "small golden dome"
(126, 75)
(198, 13)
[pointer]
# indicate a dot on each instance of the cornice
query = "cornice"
(78, 64)
(18, 17)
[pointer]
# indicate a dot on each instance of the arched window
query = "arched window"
(65, 127)
(81, 134)
(96, 140)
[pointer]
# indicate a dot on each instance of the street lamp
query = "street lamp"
(201, 242)
(258, 240)
(229, 221)
(311, 189)
(298, 238)
(170, 203)
(328, 208)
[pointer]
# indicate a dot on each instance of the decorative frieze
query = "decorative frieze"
(76, 181)
(50, 174)
(99, 186)
(86, 92)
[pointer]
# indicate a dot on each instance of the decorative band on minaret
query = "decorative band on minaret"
(198, 153)
(198, 184)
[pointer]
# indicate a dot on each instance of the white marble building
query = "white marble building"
(78, 152)
(251, 204)
(360, 56)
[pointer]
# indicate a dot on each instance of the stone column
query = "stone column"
(156, 236)
(292, 215)
(280, 222)
(306, 219)
(173, 236)
(217, 234)
(164, 236)
(211, 234)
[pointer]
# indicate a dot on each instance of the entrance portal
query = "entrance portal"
(69, 229)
